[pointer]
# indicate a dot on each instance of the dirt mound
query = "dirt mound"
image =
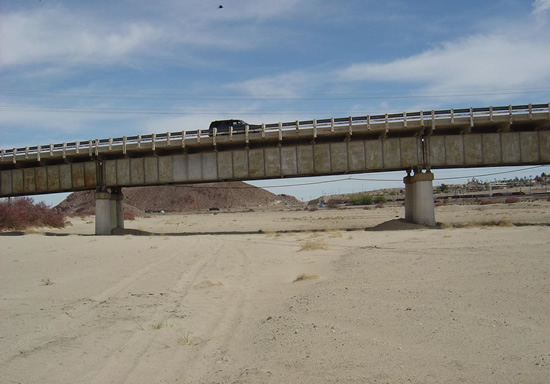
(395, 225)
(183, 198)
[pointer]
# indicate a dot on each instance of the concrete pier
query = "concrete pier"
(419, 201)
(109, 213)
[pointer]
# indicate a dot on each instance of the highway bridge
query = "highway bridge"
(415, 142)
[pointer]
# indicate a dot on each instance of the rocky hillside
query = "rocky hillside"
(182, 198)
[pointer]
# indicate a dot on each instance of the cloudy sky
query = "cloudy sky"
(78, 70)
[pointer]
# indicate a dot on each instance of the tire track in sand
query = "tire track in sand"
(217, 317)
(128, 364)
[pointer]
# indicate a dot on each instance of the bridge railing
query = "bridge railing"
(93, 146)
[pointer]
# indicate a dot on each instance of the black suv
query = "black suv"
(222, 126)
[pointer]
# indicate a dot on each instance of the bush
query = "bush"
(22, 212)
(511, 200)
(379, 200)
(361, 200)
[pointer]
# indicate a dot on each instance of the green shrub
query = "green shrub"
(361, 200)
(379, 200)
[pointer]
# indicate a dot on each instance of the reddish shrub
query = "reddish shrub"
(22, 212)
(512, 200)
(129, 216)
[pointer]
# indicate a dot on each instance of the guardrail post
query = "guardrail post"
(153, 141)
(263, 129)
(183, 139)
(280, 131)
(38, 150)
(14, 154)
(199, 133)
(246, 129)
(297, 127)
(350, 125)
(332, 125)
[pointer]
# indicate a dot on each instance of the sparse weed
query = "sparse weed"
(188, 340)
(159, 325)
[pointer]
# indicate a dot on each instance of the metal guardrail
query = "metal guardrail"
(92, 146)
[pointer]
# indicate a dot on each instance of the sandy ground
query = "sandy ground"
(258, 297)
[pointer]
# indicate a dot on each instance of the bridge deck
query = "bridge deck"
(511, 135)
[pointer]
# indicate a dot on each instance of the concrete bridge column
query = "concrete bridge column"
(117, 208)
(419, 201)
(109, 213)
(103, 216)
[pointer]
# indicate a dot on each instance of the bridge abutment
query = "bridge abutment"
(419, 201)
(109, 212)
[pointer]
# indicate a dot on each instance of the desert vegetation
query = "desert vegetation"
(366, 199)
(22, 212)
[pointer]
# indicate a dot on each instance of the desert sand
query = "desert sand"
(282, 297)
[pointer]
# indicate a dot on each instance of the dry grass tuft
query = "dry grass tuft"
(312, 246)
(481, 224)
(159, 325)
(306, 276)
(207, 284)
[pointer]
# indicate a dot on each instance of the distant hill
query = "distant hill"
(183, 198)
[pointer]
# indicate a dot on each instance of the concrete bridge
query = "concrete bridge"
(414, 142)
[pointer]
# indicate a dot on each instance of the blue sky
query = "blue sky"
(79, 70)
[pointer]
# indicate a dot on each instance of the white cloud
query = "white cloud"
(541, 6)
(516, 58)
(57, 36)
(283, 85)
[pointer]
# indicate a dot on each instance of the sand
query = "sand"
(282, 297)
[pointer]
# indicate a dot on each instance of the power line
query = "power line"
(351, 178)
(305, 96)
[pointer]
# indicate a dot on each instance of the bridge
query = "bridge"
(414, 142)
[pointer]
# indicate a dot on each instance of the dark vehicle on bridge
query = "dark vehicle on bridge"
(224, 126)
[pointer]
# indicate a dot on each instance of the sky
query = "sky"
(78, 70)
